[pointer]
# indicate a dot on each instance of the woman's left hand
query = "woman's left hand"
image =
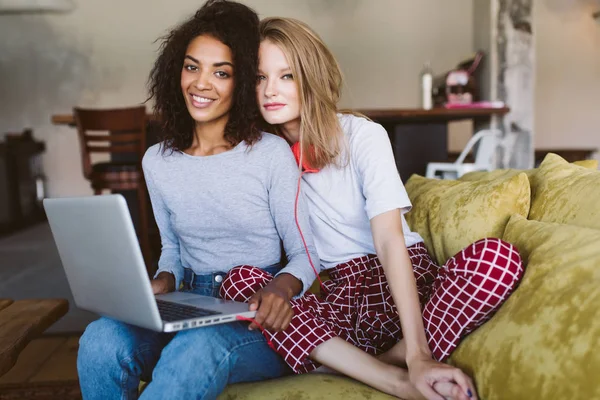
(424, 373)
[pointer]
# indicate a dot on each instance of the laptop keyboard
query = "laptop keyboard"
(177, 312)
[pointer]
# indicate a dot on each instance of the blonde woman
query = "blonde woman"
(386, 297)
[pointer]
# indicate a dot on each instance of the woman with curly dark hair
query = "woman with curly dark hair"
(167, 75)
(223, 195)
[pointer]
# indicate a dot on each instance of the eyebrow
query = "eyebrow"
(280, 71)
(218, 64)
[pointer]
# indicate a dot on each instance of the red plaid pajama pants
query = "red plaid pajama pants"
(357, 305)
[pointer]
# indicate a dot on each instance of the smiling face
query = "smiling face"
(207, 80)
(277, 91)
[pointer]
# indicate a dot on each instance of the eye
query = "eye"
(260, 78)
(288, 77)
(222, 74)
(189, 67)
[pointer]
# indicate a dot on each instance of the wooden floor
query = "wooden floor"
(46, 369)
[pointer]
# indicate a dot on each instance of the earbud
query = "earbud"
(305, 166)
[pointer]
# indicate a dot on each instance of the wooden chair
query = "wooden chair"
(122, 134)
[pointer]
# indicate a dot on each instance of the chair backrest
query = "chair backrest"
(121, 130)
(487, 140)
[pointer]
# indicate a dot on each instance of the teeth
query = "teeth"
(201, 99)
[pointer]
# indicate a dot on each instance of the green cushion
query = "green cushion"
(303, 387)
(491, 175)
(589, 164)
(505, 173)
(543, 342)
(565, 193)
(450, 215)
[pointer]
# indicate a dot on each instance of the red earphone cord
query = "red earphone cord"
(302, 235)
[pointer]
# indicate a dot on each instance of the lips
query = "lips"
(273, 106)
(201, 101)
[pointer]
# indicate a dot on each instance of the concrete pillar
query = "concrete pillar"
(503, 29)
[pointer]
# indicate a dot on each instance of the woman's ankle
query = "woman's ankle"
(395, 356)
(395, 381)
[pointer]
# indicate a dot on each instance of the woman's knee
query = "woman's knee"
(111, 336)
(502, 256)
(512, 258)
(102, 340)
(242, 282)
(492, 262)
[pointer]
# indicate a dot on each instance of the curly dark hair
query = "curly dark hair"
(236, 26)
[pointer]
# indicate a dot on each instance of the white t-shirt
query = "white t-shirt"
(343, 200)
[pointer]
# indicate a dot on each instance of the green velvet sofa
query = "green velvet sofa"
(544, 342)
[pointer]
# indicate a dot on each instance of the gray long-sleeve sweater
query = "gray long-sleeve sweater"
(233, 208)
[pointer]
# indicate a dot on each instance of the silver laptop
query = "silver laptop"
(103, 262)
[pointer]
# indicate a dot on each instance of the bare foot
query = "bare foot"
(450, 391)
(396, 355)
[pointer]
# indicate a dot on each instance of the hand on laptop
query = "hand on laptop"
(164, 283)
(272, 303)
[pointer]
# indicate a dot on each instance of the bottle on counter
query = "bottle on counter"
(427, 87)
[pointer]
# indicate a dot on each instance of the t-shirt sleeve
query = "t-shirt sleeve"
(371, 151)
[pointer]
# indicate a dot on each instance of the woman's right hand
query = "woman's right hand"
(163, 283)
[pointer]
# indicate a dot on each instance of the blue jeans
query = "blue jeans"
(191, 364)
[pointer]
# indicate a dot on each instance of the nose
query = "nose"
(271, 88)
(203, 81)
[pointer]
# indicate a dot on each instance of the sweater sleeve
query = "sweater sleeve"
(170, 256)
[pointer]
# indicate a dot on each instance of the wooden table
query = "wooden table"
(384, 115)
(418, 136)
(439, 114)
(23, 320)
(570, 155)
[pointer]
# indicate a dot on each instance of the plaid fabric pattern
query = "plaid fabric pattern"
(468, 290)
(242, 282)
(357, 305)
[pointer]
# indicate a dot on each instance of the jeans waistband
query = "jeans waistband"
(214, 279)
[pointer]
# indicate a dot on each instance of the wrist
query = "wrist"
(168, 279)
(288, 284)
(418, 355)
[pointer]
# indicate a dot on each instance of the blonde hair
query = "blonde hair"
(319, 80)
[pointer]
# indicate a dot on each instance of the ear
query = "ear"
(305, 166)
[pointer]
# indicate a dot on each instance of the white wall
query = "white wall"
(567, 101)
(100, 55)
